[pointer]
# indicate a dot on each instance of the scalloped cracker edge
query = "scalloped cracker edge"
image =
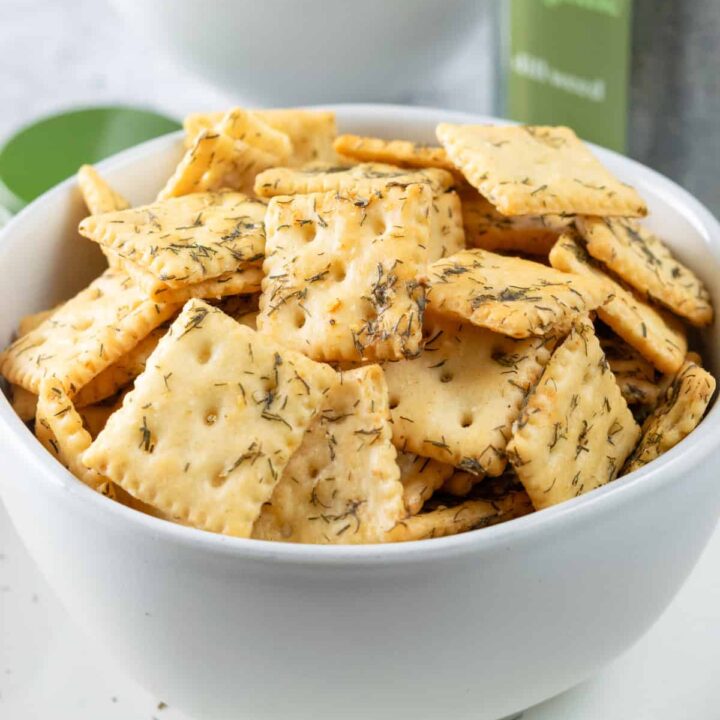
(175, 444)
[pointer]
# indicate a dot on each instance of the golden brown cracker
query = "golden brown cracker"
(184, 240)
(575, 430)
(460, 483)
(509, 295)
(457, 402)
(175, 443)
(247, 279)
(340, 273)
(87, 334)
(311, 132)
(535, 170)
(634, 374)
(99, 197)
(656, 335)
(23, 402)
(461, 517)
(447, 233)
(121, 373)
(680, 411)
(365, 178)
(402, 153)
(342, 486)
(216, 162)
(60, 429)
(250, 128)
(421, 477)
(488, 229)
(642, 260)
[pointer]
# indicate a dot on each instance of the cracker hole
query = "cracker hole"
(339, 272)
(218, 480)
(446, 376)
(204, 354)
(369, 312)
(466, 419)
(211, 417)
(394, 401)
(299, 319)
(314, 472)
(307, 230)
(83, 324)
(379, 227)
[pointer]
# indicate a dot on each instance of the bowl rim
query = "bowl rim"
(692, 450)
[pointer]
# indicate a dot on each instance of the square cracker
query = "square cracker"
(365, 178)
(87, 334)
(23, 402)
(634, 374)
(451, 518)
(212, 422)
(533, 170)
(656, 335)
(447, 233)
(402, 153)
(342, 486)
(457, 402)
(250, 128)
(643, 261)
(184, 240)
(59, 427)
(216, 162)
(509, 295)
(488, 229)
(311, 132)
(679, 413)
(575, 431)
(421, 477)
(99, 197)
(340, 273)
(121, 373)
(247, 279)
(460, 483)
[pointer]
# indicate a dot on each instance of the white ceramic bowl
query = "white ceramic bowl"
(301, 51)
(474, 626)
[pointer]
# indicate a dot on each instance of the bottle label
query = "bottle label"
(569, 64)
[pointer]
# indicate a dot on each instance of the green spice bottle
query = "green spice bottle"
(637, 76)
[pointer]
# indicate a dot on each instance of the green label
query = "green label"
(569, 65)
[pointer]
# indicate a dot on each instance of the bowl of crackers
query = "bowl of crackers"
(372, 410)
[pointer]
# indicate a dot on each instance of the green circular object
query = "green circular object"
(50, 150)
